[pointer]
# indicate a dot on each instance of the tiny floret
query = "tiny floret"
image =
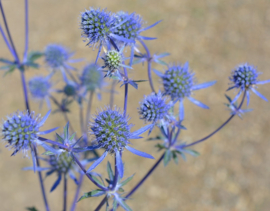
(62, 163)
(92, 77)
(178, 82)
(56, 56)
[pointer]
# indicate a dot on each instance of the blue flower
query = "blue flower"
(21, 131)
(58, 57)
(244, 77)
(154, 109)
(92, 77)
(113, 61)
(40, 88)
(131, 29)
(112, 133)
(178, 83)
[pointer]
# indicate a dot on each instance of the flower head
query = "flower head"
(56, 56)
(179, 83)
(62, 164)
(40, 88)
(21, 130)
(244, 77)
(92, 77)
(112, 133)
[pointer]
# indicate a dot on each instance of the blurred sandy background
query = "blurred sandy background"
(232, 172)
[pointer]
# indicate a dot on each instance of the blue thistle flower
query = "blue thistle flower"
(112, 133)
(244, 77)
(131, 29)
(92, 77)
(21, 131)
(57, 57)
(154, 109)
(40, 88)
(178, 83)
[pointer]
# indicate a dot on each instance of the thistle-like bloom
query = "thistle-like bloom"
(58, 57)
(112, 133)
(92, 77)
(178, 83)
(113, 61)
(21, 131)
(40, 88)
(244, 77)
(131, 29)
(98, 27)
(154, 109)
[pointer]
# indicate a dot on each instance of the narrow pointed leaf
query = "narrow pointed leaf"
(148, 27)
(263, 82)
(119, 164)
(44, 119)
(47, 131)
(158, 73)
(167, 157)
(236, 97)
(198, 103)
(148, 38)
(135, 134)
(93, 193)
(203, 85)
(259, 94)
(109, 171)
(140, 153)
(97, 162)
(57, 182)
(122, 203)
(126, 181)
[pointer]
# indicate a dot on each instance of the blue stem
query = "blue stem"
(6, 41)
(219, 128)
(26, 32)
(25, 91)
(65, 194)
(8, 33)
(73, 206)
(149, 64)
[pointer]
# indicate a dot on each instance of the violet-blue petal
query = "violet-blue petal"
(148, 38)
(203, 85)
(97, 162)
(259, 94)
(198, 103)
(57, 182)
(99, 50)
(148, 27)
(135, 134)
(236, 97)
(185, 67)
(263, 82)
(119, 38)
(47, 131)
(44, 119)
(119, 164)
(181, 111)
(158, 73)
(34, 160)
(37, 168)
(248, 97)
(137, 152)
(73, 177)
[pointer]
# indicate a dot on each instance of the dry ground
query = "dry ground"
(233, 170)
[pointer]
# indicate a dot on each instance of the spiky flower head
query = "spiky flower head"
(56, 56)
(39, 87)
(154, 107)
(111, 130)
(112, 60)
(95, 25)
(178, 81)
(21, 130)
(70, 90)
(244, 76)
(130, 28)
(92, 77)
(62, 163)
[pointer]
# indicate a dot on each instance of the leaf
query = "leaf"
(34, 55)
(175, 157)
(31, 209)
(160, 146)
(154, 138)
(11, 69)
(96, 179)
(161, 62)
(167, 157)
(109, 170)
(126, 181)
(6, 61)
(48, 153)
(121, 190)
(31, 64)
(122, 203)
(94, 193)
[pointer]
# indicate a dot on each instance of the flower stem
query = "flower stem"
(25, 91)
(219, 128)
(88, 111)
(112, 93)
(73, 207)
(65, 194)
(41, 182)
(88, 175)
(6, 41)
(8, 33)
(104, 200)
(149, 64)
(26, 32)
